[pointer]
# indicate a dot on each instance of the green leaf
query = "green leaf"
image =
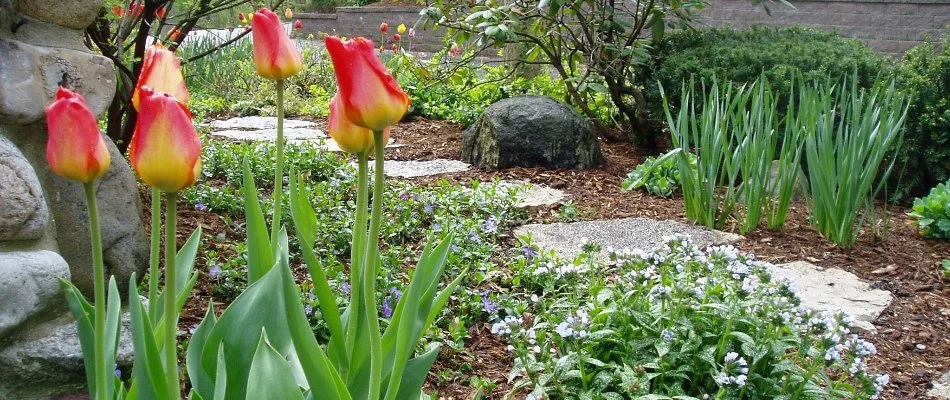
(259, 256)
(84, 313)
(415, 375)
(149, 371)
(202, 381)
(270, 375)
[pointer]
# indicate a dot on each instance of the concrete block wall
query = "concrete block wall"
(365, 21)
(887, 26)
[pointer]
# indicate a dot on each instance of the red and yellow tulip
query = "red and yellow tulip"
(275, 55)
(165, 150)
(161, 71)
(75, 149)
(370, 95)
(352, 138)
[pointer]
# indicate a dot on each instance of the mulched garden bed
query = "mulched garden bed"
(913, 337)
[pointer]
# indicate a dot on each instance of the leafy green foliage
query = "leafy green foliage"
(741, 56)
(659, 176)
(679, 322)
(924, 160)
(932, 213)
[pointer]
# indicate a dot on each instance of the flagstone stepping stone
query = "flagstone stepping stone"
(415, 169)
(270, 134)
(533, 195)
(941, 389)
(257, 123)
(832, 289)
(645, 234)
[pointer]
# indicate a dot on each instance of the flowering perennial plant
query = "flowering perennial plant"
(682, 322)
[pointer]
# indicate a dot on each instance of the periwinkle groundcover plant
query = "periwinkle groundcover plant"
(681, 323)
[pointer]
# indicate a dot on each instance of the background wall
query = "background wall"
(888, 26)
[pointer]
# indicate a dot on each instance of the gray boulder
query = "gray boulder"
(531, 131)
(23, 213)
(29, 285)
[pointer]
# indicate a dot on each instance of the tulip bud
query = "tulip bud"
(174, 34)
(298, 25)
(412, 33)
(401, 28)
(455, 50)
(371, 96)
(161, 71)
(165, 150)
(160, 13)
(350, 137)
(395, 48)
(117, 10)
(275, 55)
(288, 13)
(397, 37)
(384, 27)
(75, 149)
(241, 18)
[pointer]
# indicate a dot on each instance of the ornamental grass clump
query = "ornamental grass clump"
(849, 134)
(679, 322)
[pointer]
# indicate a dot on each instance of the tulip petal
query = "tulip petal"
(75, 149)
(165, 149)
(372, 98)
(161, 71)
(351, 138)
(275, 55)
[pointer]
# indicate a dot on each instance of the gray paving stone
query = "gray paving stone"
(533, 195)
(270, 134)
(941, 389)
(257, 123)
(628, 233)
(415, 169)
(832, 289)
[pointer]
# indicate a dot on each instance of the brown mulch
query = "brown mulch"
(913, 334)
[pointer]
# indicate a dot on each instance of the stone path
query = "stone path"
(628, 233)
(532, 195)
(832, 289)
(254, 129)
(941, 389)
(819, 288)
(416, 169)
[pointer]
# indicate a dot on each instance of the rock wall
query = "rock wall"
(44, 228)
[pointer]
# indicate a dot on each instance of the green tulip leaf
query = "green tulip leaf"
(271, 376)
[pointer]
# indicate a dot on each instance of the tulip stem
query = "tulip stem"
(369, 276)
(279, 168)
(99, 291)
(154, 255)
(170, 314)
(358, 253)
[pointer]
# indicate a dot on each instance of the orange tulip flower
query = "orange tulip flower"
(350, 137)
(288, 13)
(75, 149)
(161, 71)
(371, 96)
(275, 55)
(165, 150)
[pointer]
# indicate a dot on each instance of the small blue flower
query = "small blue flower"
(488, 305)
(490, 225)
(308, 309)
(215, 271)
(667, 335)
(334, 182)
(201, 206)
(396, 294)
(454, 248)
(428, 208)
(118, 373)
(529, 252)
(345, 288)
(473, 236)
(387, 309)
(404, 196)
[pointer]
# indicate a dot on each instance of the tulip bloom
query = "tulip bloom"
(397, 37)
(75, 149)
(160, 13)
(288, 13)
(117, 10)
(352, 138)
(384, 27)
(401, 28)
(241, 17)
(165, 150)
(298, 24)
(275, 55)
(371, 96)
(161, 71)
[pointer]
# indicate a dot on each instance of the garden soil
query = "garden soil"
(913, 334)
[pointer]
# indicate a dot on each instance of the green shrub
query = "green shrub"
(924, 160)
(681, 323)
(740, 56)
(932, 213)
(659, 176)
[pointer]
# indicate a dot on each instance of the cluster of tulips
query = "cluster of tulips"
(261, 346)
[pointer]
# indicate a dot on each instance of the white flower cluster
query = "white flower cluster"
(879, 382)
(561, 271)
(735, 371)
(576, 326)
(506, 327)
